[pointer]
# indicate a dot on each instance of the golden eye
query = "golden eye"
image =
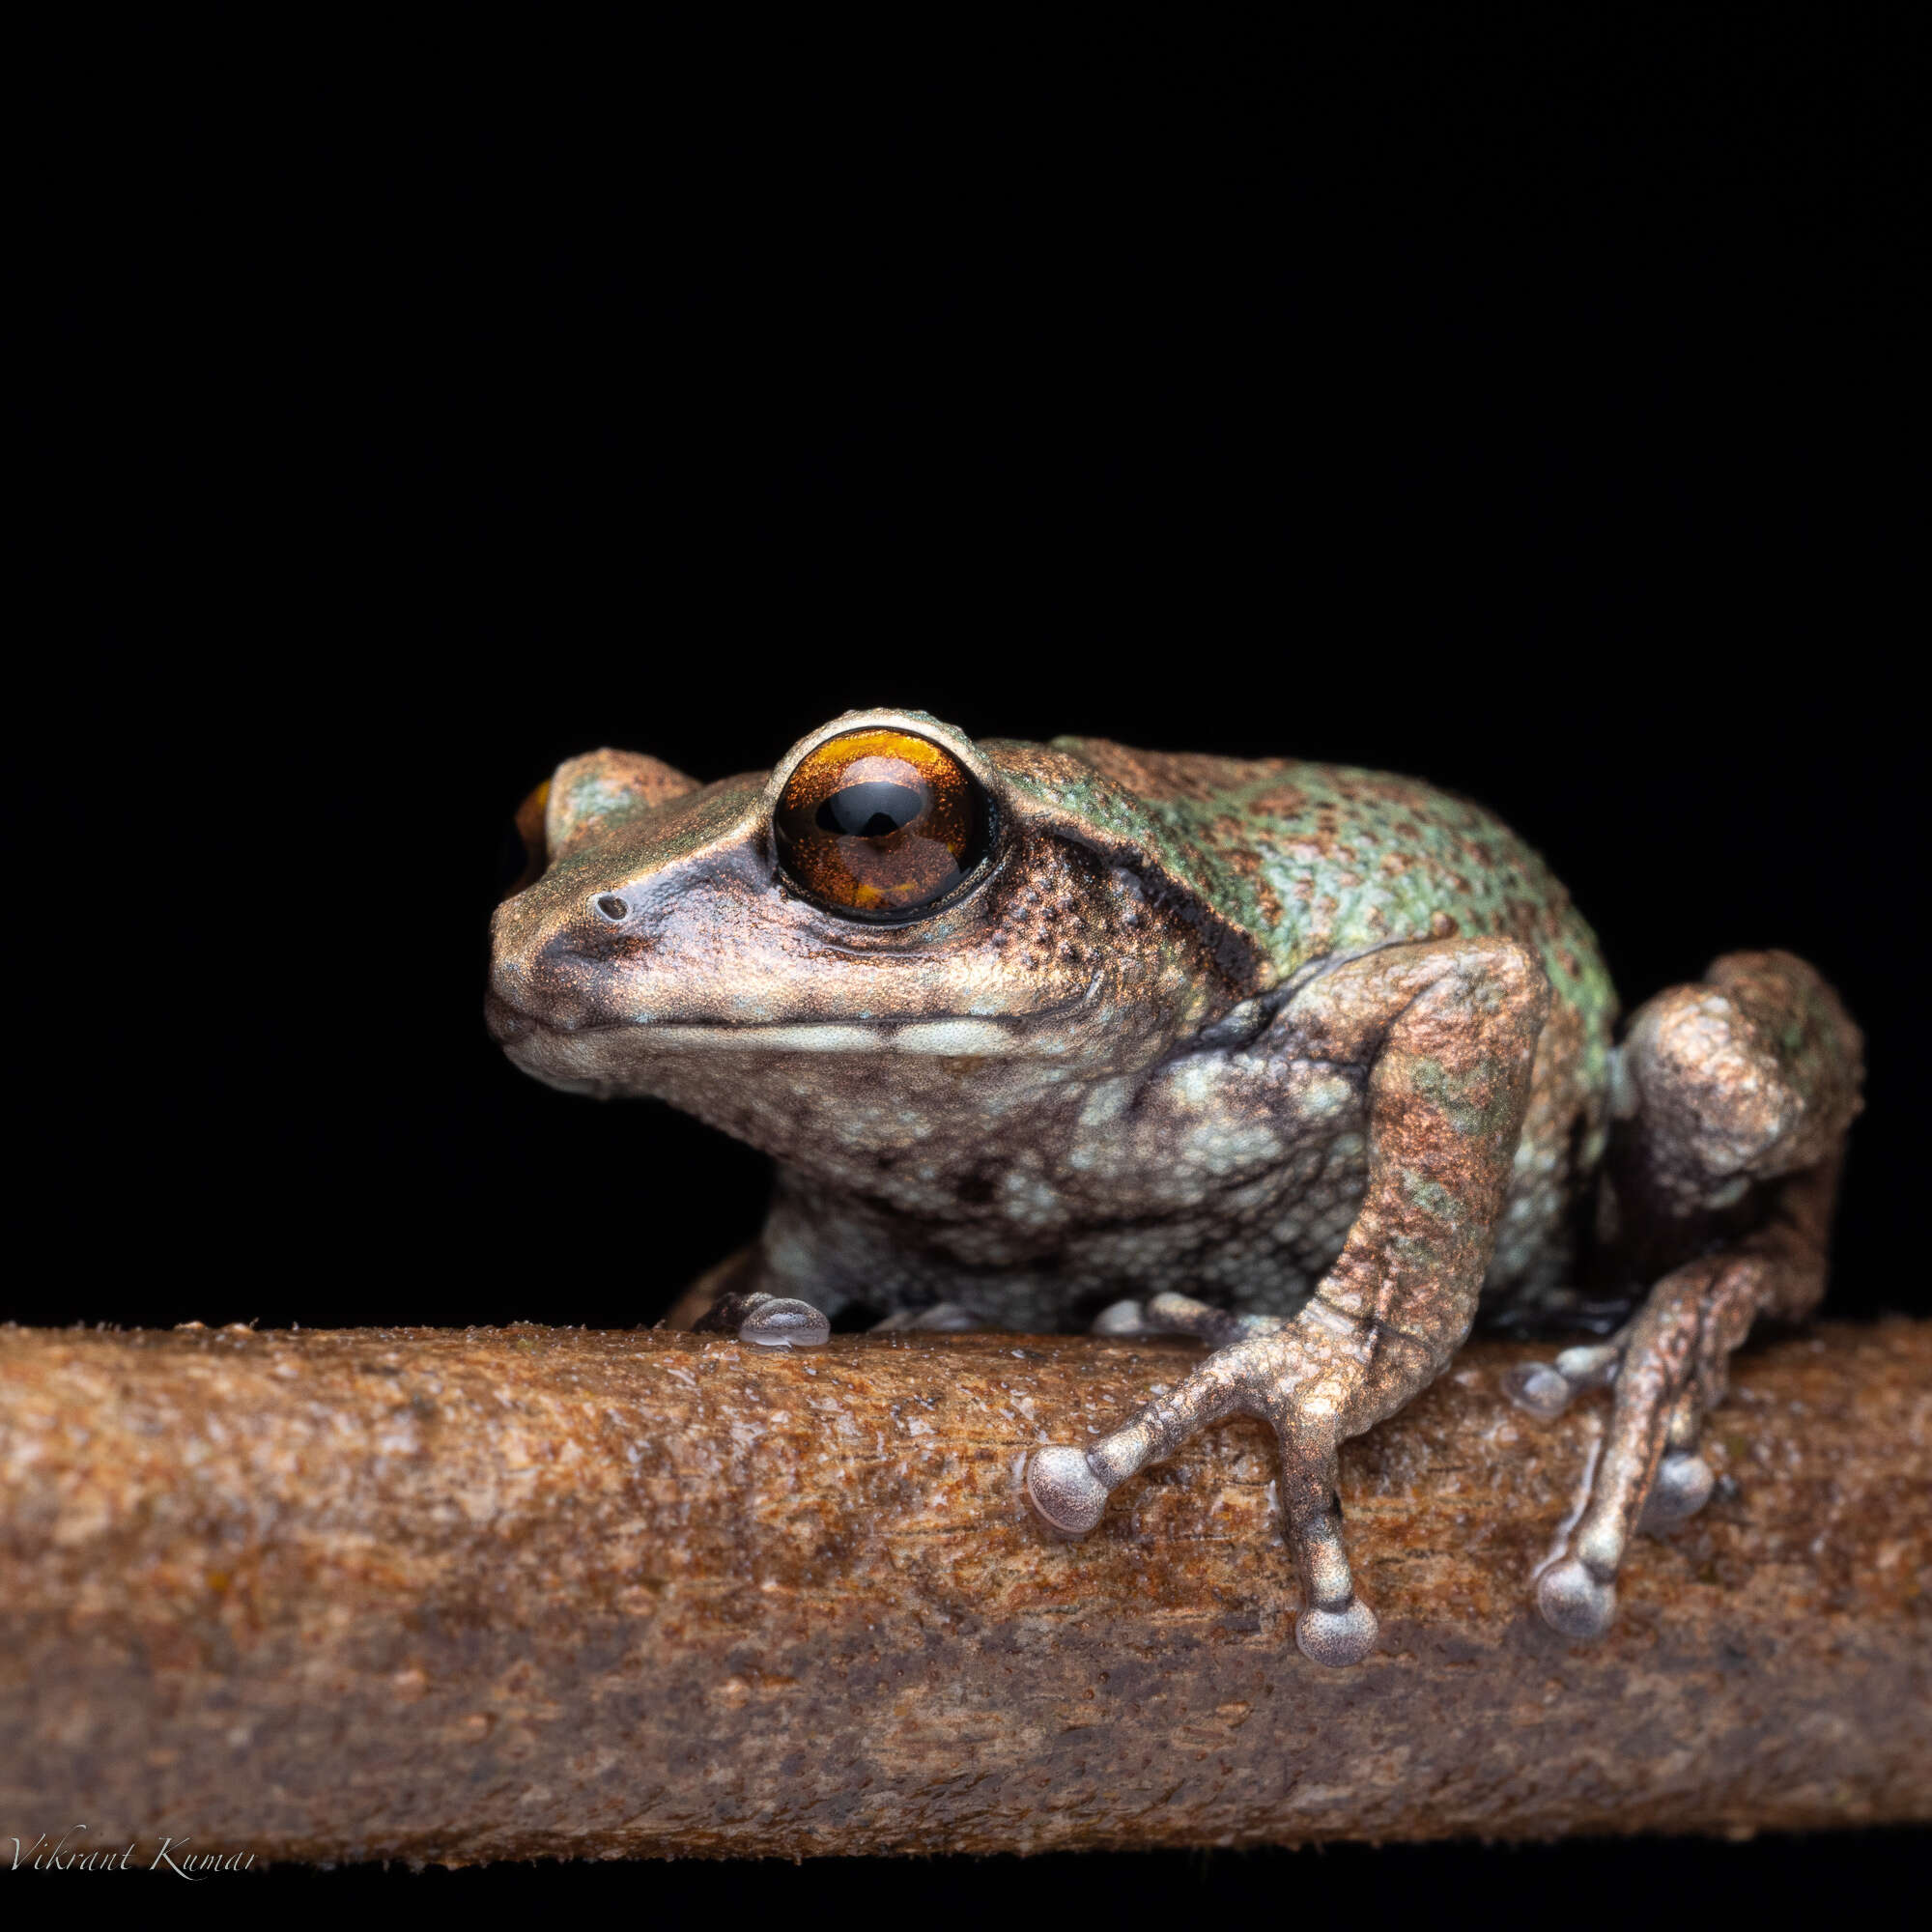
(879, 823)
(524, 854)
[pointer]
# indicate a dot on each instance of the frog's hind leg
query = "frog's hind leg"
(1733, 1100)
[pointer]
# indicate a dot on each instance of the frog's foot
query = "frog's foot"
(765, 1321)
(1667, 1368)
(1298, 1378)
(1546, 1389)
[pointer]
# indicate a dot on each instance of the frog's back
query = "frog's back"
(1315, 860)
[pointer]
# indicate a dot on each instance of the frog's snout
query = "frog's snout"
(542, 969)
(519, 1001)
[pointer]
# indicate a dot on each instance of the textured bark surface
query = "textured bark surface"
(455, 1596)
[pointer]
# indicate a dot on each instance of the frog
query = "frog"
(1317, 1065)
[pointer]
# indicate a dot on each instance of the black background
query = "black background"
(1537, 418)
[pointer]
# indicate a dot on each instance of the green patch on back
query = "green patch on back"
(1313, 860)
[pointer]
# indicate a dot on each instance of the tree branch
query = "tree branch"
(531, 1592)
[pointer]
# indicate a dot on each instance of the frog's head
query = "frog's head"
(894, 906)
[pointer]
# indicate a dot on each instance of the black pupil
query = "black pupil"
(872, 811)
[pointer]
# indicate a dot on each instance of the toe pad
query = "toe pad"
(1574, 1602)
(780, 1322)
(1682, 1487)
(1539, 1388)
(1065, 1491)
(1337, 1637)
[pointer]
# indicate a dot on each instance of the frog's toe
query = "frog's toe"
(1574, 1602)
(1337, 1637)
(779, 1321)
(1540, 1389)
(1546, 1389)
(1065, 1490)
(1681, 1487)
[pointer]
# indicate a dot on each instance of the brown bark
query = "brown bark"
(511, 1593)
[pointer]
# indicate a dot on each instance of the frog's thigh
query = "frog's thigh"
(1747, 1081)
(1751, 1076)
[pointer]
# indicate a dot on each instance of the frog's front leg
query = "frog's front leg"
(1448, 1031)
(732, 1300)
(1733, 1099)
(735, 1298)
(766, 1321)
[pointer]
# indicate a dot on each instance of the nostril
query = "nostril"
(612, 908)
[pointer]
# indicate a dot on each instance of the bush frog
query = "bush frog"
(1311, 1063)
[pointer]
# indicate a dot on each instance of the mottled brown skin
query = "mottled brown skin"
(522, 1593)
(1302, 1059)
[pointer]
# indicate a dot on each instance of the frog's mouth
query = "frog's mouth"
(962, 1034)
(537, 1043)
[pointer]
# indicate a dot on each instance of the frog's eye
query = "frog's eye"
(525, 853)
(878, 823)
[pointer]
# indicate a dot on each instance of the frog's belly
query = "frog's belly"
(1235, 1180)
(1245, 1206)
